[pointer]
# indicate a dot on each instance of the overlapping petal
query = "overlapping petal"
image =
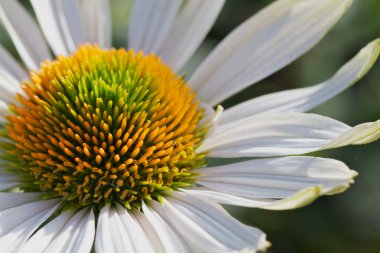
(119, 231)
(97, 22)
(360, 134)
(190, 28)
(274, 183)
(8, 181)
(22, 219)
(61, 23)
(11, 73)
(272, 134)
(305, 99)
(9, 200)
(25, 33)
(263, 44)
(206, 226)
(170, 240)
(73, 232)
(151, 22)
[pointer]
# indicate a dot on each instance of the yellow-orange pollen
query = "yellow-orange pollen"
(104, 125)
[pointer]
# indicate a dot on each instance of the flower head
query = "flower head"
(106, 149)
(104, 126)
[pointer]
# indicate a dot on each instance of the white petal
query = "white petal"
(25, 33)
(133, 231)
(125, 232)
(305, 99)
(84, 235)
(7, 185)
(4, 110)
(18, 223)
(300, 199)
(68, 232)
(171, 240)
(103, 240)
(118, 231)
(10, 70)
(275, 183)
(11, 199)
(272, 134)
(11, 76)
(207, 225)
(360, 134)
(151, 21)
(47, 234)
(189, 30)
(210, 117)
(97, 21)
(264, 44)
(121, 241)
(8, 181)
(149, 230)
(61, 23)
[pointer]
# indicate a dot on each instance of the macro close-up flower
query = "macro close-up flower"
(107, 150)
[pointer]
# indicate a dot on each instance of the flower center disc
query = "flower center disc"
(102, 126)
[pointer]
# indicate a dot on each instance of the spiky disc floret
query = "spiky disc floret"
(105, 125)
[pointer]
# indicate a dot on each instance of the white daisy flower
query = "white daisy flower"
(105, 149)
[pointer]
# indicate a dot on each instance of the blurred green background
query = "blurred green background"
(349, 222)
